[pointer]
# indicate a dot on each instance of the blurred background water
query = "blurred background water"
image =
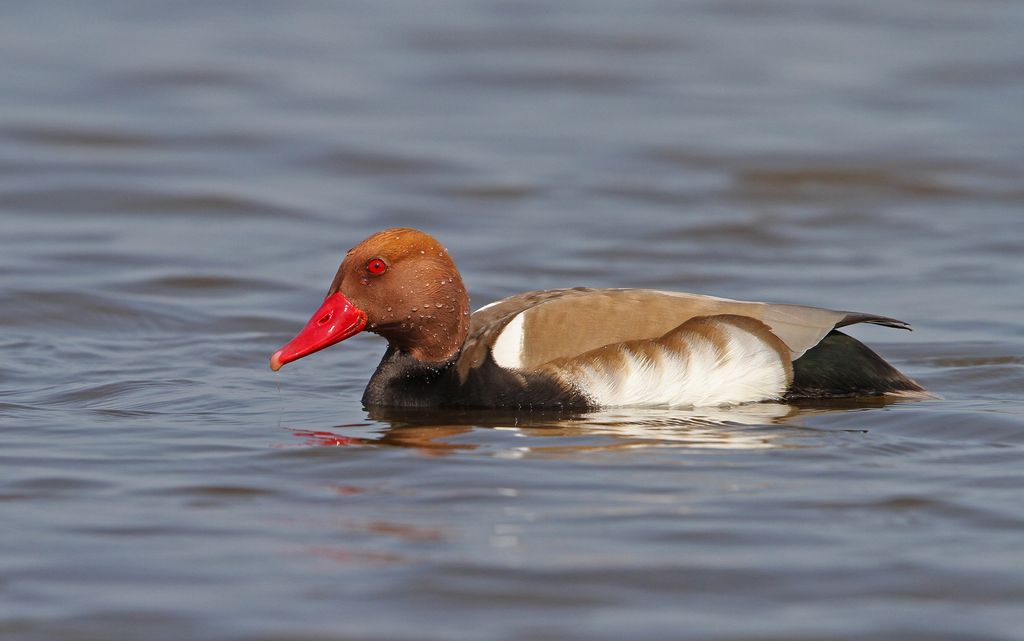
(178, 182)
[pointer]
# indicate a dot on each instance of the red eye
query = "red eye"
(376, 266)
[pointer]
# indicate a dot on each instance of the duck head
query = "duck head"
(399, 283)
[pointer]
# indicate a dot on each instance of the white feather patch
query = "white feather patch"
(508, 347)
(487, 305)
(747, 370)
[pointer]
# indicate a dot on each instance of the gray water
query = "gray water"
(178, 182)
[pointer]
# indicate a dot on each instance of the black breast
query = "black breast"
(403, 381)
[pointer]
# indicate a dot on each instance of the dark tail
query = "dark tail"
(852, 318)
(842, 367)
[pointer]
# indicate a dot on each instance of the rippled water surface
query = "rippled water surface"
(178, 182)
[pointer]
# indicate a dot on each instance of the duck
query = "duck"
(580, 348)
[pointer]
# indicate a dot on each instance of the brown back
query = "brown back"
(567, 322)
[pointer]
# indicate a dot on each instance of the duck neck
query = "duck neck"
(428, 343)
(434, 331)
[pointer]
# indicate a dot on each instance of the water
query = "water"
(178, 183)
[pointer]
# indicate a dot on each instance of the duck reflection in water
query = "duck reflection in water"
(752, 426)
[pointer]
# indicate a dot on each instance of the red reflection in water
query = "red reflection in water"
(347, 555)
(347, 490)
(321, 438)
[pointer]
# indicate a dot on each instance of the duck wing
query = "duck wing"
(528, 330)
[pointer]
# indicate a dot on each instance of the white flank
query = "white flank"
(746, 371)
(508, 347)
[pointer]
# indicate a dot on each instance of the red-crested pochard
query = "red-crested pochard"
(581, 347)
